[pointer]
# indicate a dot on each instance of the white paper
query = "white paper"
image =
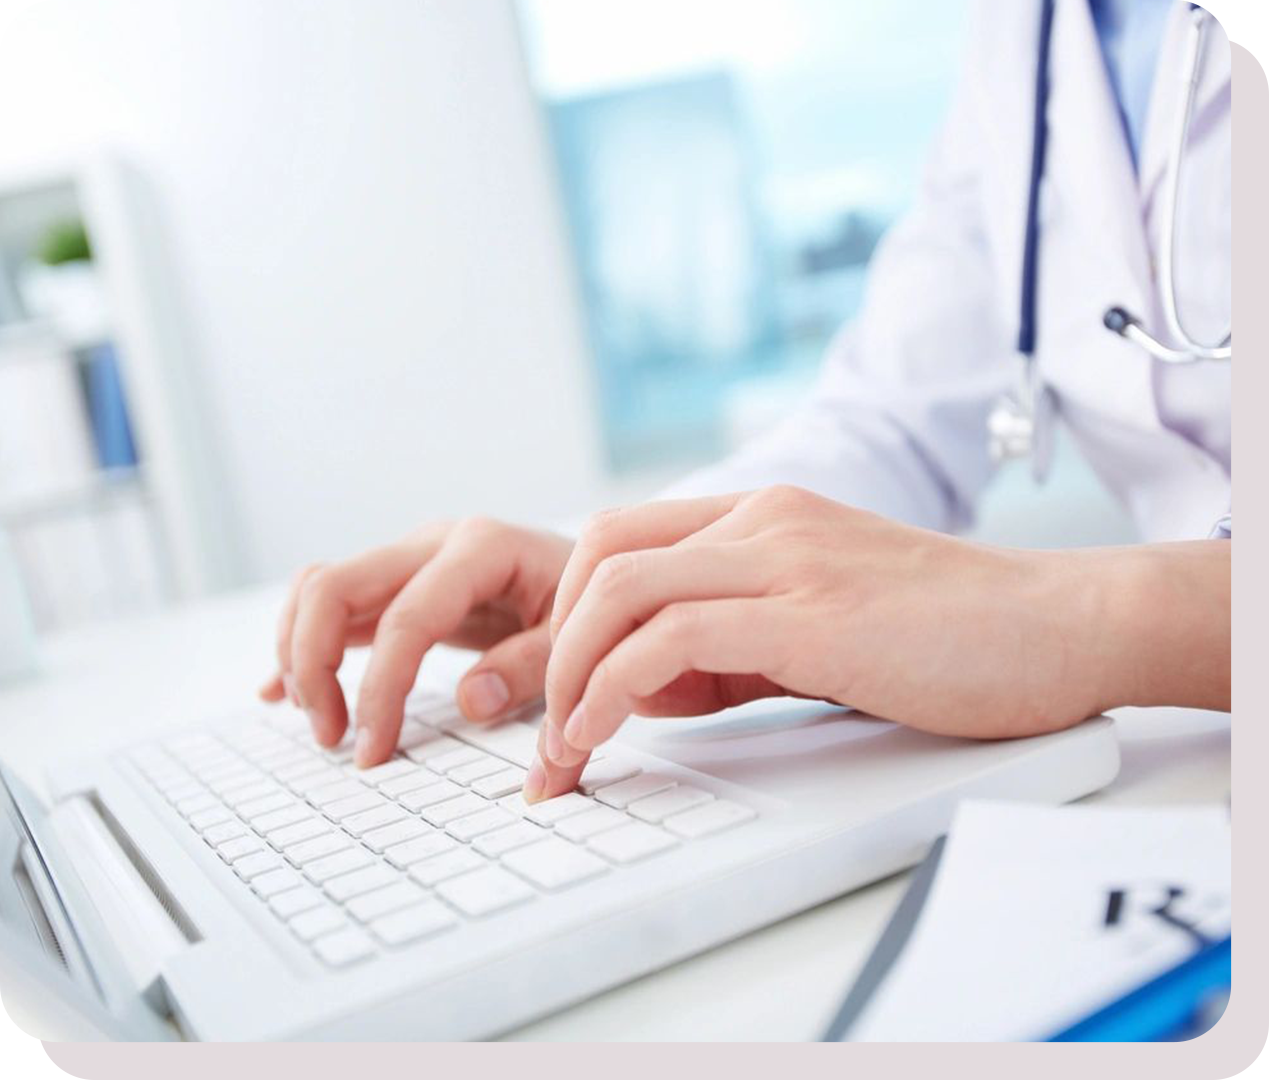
(1020, 936)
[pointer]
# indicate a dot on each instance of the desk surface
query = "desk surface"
(122, 681)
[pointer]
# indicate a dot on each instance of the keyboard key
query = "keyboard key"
(504, 782)
(485, 765)
(413, 734)
(317, 921)
(322, 870)
(195, 804)
(446, 763)
(420, 848)
(554, 864)
(228, 830)
(341, 754)
(497, 843)
(554, 810)
(268, 824)
(185, 790)
(318, 847)
(441, 814)
(450, 864)
(631, 843)
(329, 793)
(373, 905)
(354, 804)
(396, 833)
(346, 886)
(271, 759)
(311, 781)
(624, 793)
(250, 866)
(274, 882)
(483, 892)
(310, 765)
(424, 699)
(417, 778)
(375, 818)
(301, 830)
(599, 774)
(255, 808)
(233, 780)
(711, 818)
(437, 792)
(581, 827)
(513, 741)
(344, 947)
(436, 747)
(656, 808)
(377, 774)
(238, 847)
(293, 901)
(226, 771)
(249, 792)
(413, 923)
(206, 819)
(468, 828)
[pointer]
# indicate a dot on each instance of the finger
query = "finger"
(657, 524)
(286, 623)
(545, 778)
(476, 564)
(624, 592)
(272, 690)
(509, 675)
(724, 637)
(335, 602)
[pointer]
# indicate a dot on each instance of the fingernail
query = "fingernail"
(576, 721)
(554, 744)
(361, 748)
(535, 782)
(288, 684)
(486, 695)
(315, 723)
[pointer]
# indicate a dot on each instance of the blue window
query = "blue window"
(726, 171)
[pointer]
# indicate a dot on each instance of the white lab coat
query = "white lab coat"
(897, 421)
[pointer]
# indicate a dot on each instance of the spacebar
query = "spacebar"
(514, 741)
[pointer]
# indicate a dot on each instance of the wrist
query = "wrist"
(1151, 624)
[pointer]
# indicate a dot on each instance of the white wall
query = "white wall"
(357, 202)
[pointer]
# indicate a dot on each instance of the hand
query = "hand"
(478, 584)
(685, 608)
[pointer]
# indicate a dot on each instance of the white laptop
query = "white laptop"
(236, 882)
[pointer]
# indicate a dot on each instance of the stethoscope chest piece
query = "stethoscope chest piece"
(1021, 424)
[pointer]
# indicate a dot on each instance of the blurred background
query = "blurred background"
(281, 280)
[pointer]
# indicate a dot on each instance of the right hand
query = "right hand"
(477, 584)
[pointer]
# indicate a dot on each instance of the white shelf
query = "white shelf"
(102, 490)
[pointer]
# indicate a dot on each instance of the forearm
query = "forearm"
(1160, 628)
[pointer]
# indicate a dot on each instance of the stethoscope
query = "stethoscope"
(1019, 423)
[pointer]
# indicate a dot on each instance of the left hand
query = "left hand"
(685, 608)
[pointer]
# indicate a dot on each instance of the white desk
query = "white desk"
(127, 680)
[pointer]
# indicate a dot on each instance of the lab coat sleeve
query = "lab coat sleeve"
(897, 421)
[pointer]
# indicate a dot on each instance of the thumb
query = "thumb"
(510, 674)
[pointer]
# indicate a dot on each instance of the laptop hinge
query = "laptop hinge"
(146, 925)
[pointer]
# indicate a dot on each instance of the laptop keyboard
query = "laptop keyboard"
(356, 861)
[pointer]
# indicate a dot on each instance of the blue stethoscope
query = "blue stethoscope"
(1019, 422)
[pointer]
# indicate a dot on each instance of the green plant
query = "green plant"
(63, 242)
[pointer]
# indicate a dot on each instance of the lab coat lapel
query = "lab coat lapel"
(1103, 255)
